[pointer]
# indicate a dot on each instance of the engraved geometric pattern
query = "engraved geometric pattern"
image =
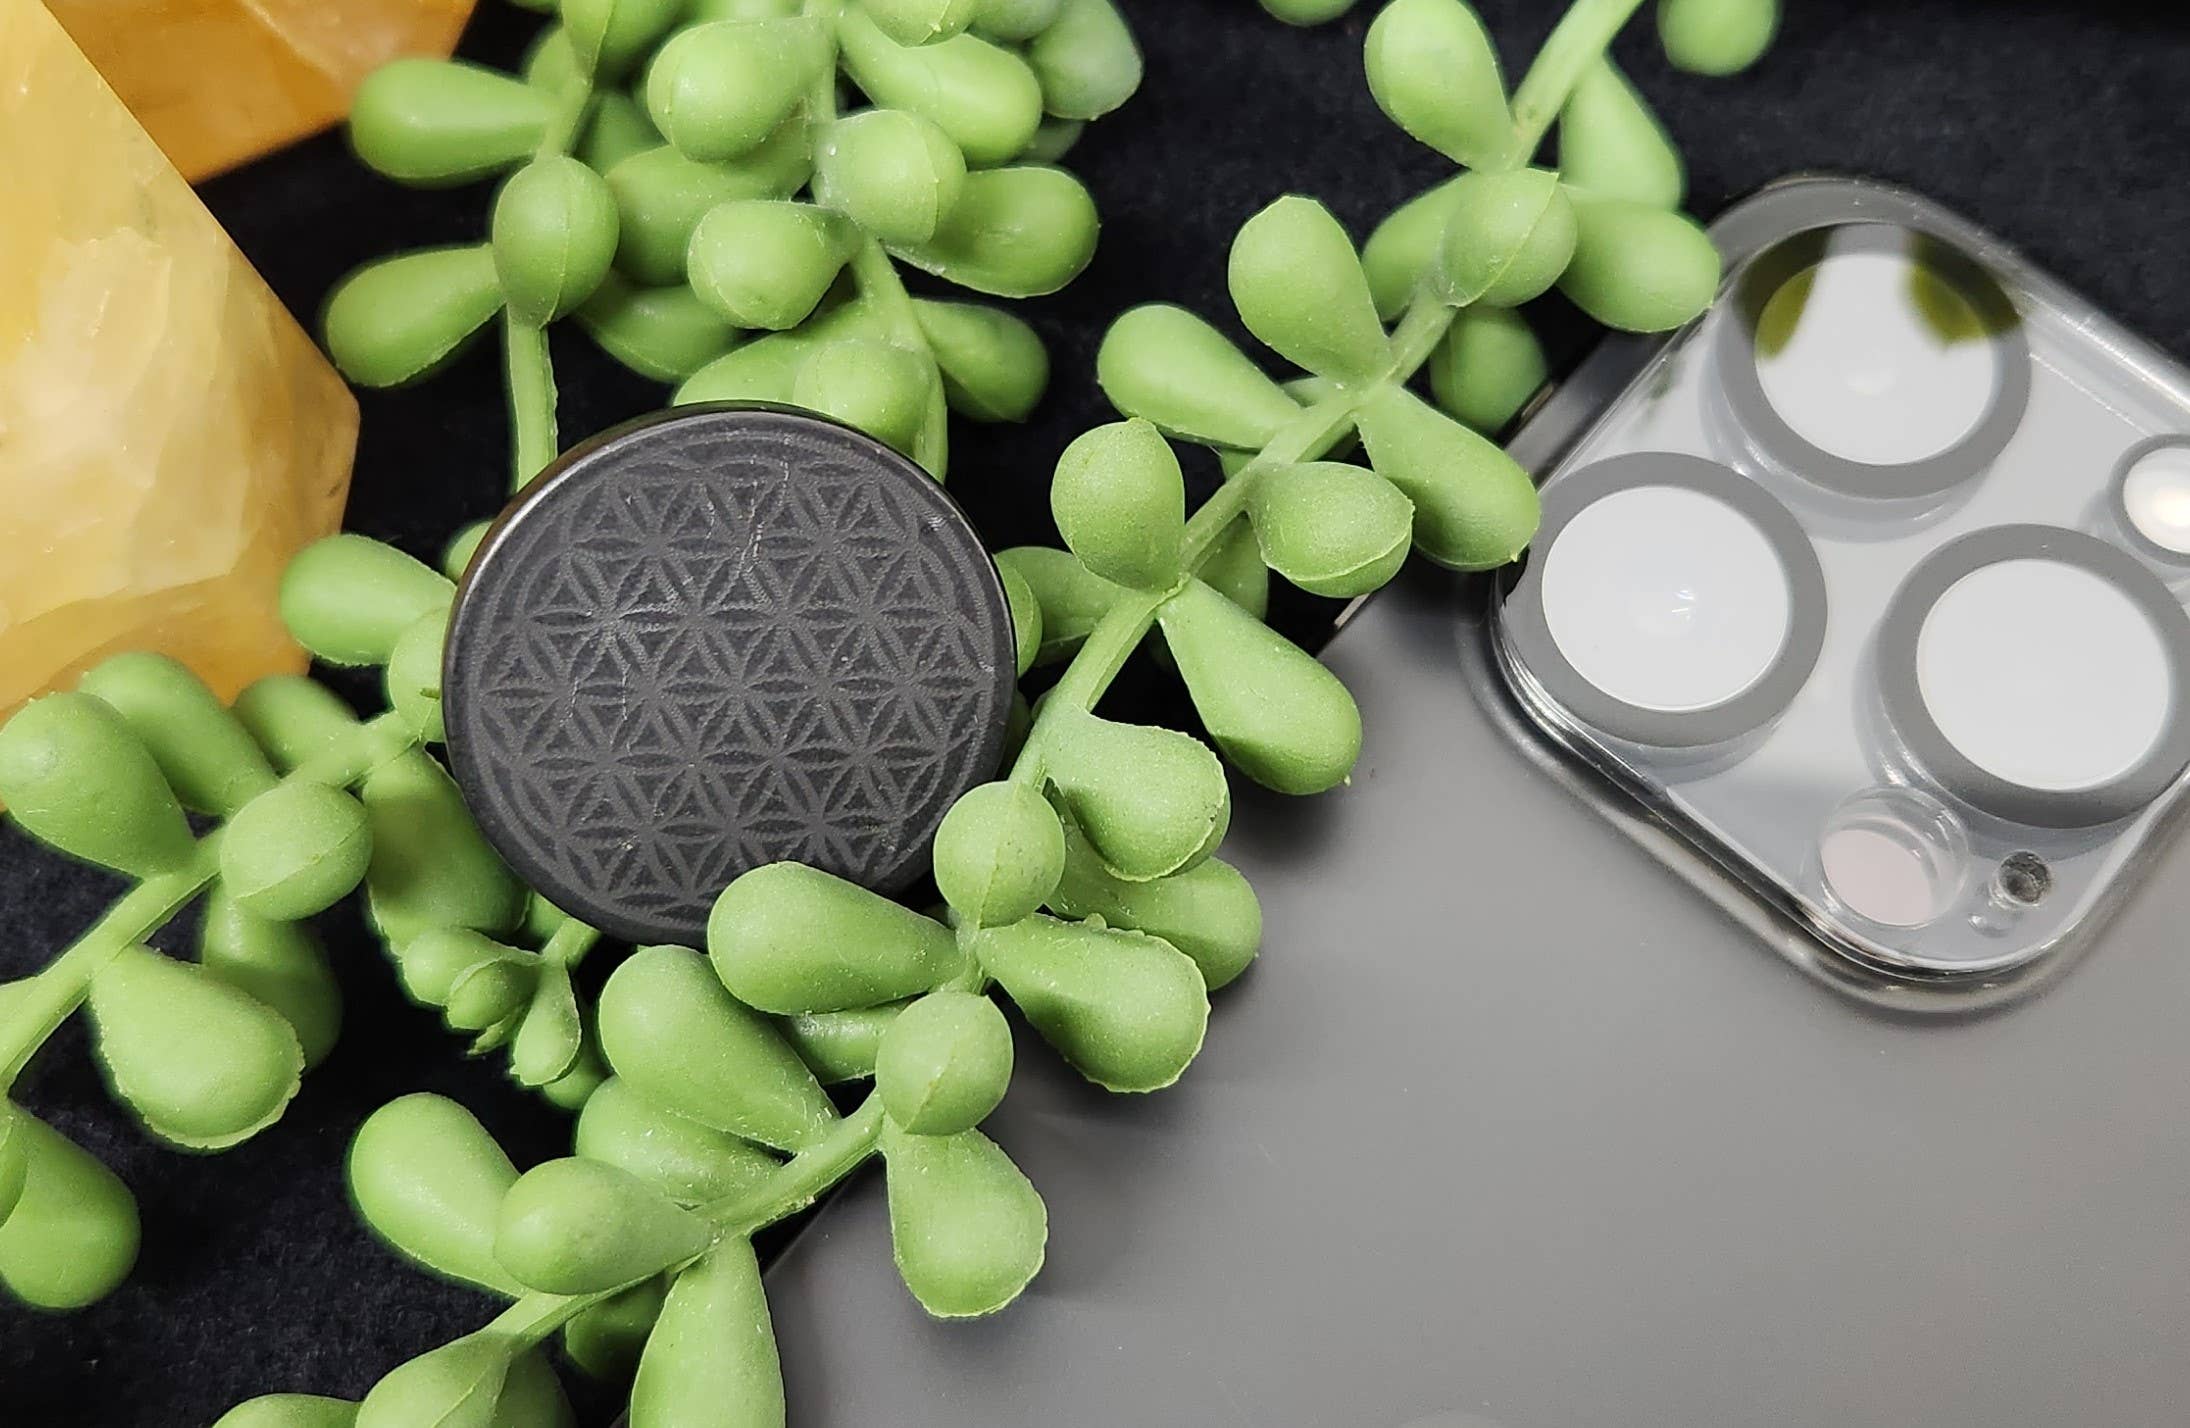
(720, 640)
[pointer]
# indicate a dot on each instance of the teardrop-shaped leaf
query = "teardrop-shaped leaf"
(293, 718)
(278, 963)
(983, 96)
(689, 1162)
(348, 598)
(201, 1063)
(1086, 60)
(788, 938)
(1611, 144)
(1015, 20)
(1127, 1010)
(430, 1181)
(666, 333)
(883, 389)
(669, 1028)
(1433, 69)
(1716, 37)
(1167, 365)
(295, 850)
(1073, 599)
(1208, 912)
(1152, 801)
(968, 1228)
(711, 1360)
(548, 1043)
(998, 853)
(290, 1410)
(580, 1227)
(1508, 237)
(432, 963)
(73, 1234)
(717, 90)
(1488, 367)
(73, 775)
(892, 172)
(1404, 249)
(431, 865)
(841, 1046)
(767, 263)
(1299, 287)
(921, 22)
(479, 1381)
(428, 121)
(1017, 232)
(1234, 569)
(610, 36)
(606, 1339)
(206, 755)
(661, 196)
(994, 365)
(1330, 528)
(396, 320)
(1638, 268)
(1474, 507)
(554, 233)
(944, 1064)
(413, 677)
(1120, 503)
(1280, 716)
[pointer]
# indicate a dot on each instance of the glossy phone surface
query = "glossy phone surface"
(1538, 1112)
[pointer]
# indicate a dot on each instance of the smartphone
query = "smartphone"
(1745, 980)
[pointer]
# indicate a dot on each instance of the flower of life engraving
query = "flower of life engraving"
(717, 639)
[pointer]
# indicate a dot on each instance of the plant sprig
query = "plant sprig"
(681, 181)
(1082, 884)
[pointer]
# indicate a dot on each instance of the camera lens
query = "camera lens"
(1873, 361)
(1668, 601)
(2039, 675)
(2149, 500)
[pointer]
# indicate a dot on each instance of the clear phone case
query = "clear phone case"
(1869, 584)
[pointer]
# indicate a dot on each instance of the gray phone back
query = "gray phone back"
(1530, 1118)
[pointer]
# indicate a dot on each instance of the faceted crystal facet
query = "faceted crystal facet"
(169, 436)
(220, 81)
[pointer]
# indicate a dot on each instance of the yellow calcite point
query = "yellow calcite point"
(221, 81)
(169, 436)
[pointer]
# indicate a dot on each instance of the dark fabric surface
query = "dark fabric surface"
(2062, 126)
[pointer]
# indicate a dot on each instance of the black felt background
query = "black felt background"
(2062, 126)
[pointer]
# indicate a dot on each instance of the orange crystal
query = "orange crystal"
(221, 81)
(169, 436)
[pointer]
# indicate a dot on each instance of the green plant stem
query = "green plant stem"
(569, 943)
(1579, 40)
(39, 1005)
(1314, 432)
(535, 440)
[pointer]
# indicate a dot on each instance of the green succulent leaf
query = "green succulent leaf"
(401, 318)
(1474, 507)
(1086, 60)
(718, 90)
(1405, 248)
(554, 234)
(944, 1063)
(429, 121)
(1072, 598)
(1127, 1010)
(1120, 503)
(969, 1229)
(687, 1161)
(72, 1236)
(1433, 69)
(666, 333)
(711, 1360)
(278, 963)
(72, 774)
(983, 96)
(1508, 237)
(1275, 712)
(841, 1046)
(993, 364)
(1488, 367)
(1330, 528)
(894, 173)
(1300, 288)
(998, 853)
(788, 938)
(203, 751)
(202, 1064)
(1152, 801)
(1716, 37)
(607, 1338)
(670, 1030)
(1172, 368)
(290, 1410)
(1611, 144)
(581, 1227)
(348, 598)
(1639, 268)
(1209, 912)
(430, 1180)
(1016, 232)
(295, 850)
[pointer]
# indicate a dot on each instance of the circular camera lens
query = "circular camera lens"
(2039, 674)
(1893, 857)
(1874, 361)
(1668, 601)
(2150, 496)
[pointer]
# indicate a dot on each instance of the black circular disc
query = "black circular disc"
(718, 638)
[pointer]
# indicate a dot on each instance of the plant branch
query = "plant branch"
(1580, 39)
